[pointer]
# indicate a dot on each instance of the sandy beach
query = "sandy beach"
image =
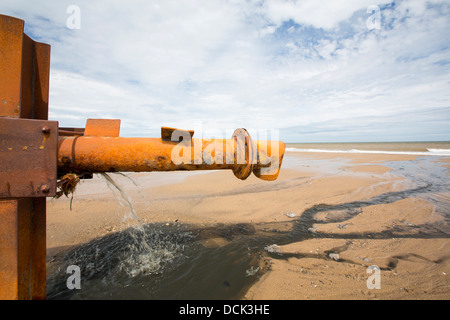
(339, 214)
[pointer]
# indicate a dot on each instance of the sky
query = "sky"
(305, 70)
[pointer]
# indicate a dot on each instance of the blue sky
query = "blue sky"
(311, 69)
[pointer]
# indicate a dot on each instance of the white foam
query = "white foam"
(441, 151)
(430, 152)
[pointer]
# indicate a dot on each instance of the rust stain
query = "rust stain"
(44, 140)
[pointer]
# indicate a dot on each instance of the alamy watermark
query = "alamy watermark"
(74, 280)
(74, 19)
(374, 281)
(374, 21)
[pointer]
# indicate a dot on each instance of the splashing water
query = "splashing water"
(121, 258)
(126, 259)
(129, 219)
(147, 253)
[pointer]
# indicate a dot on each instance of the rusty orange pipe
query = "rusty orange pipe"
(94, 154)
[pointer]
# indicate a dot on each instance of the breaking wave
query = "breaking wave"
(430, 152)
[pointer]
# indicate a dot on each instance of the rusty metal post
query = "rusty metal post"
(24, 84)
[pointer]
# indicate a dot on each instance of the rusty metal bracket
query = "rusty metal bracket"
(28, 151)
(102, 127)
(166, 133)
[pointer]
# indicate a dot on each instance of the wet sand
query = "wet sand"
(326, 194)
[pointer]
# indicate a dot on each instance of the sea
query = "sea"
(422, 148)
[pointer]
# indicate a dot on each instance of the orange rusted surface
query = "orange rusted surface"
(22, 249)
(24, 70)
(102, 127)
(28, 157)
(11, 38)
(108, 154)
(115, 154)
(166, 133)
(273, 154)
(9, 270)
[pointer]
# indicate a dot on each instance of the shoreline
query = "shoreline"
(392, 235)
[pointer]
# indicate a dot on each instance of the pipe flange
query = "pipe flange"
(244, 155)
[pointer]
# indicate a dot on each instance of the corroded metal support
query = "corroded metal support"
(23, 249)
(28, 158)
(24, 182)
(24, 69)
